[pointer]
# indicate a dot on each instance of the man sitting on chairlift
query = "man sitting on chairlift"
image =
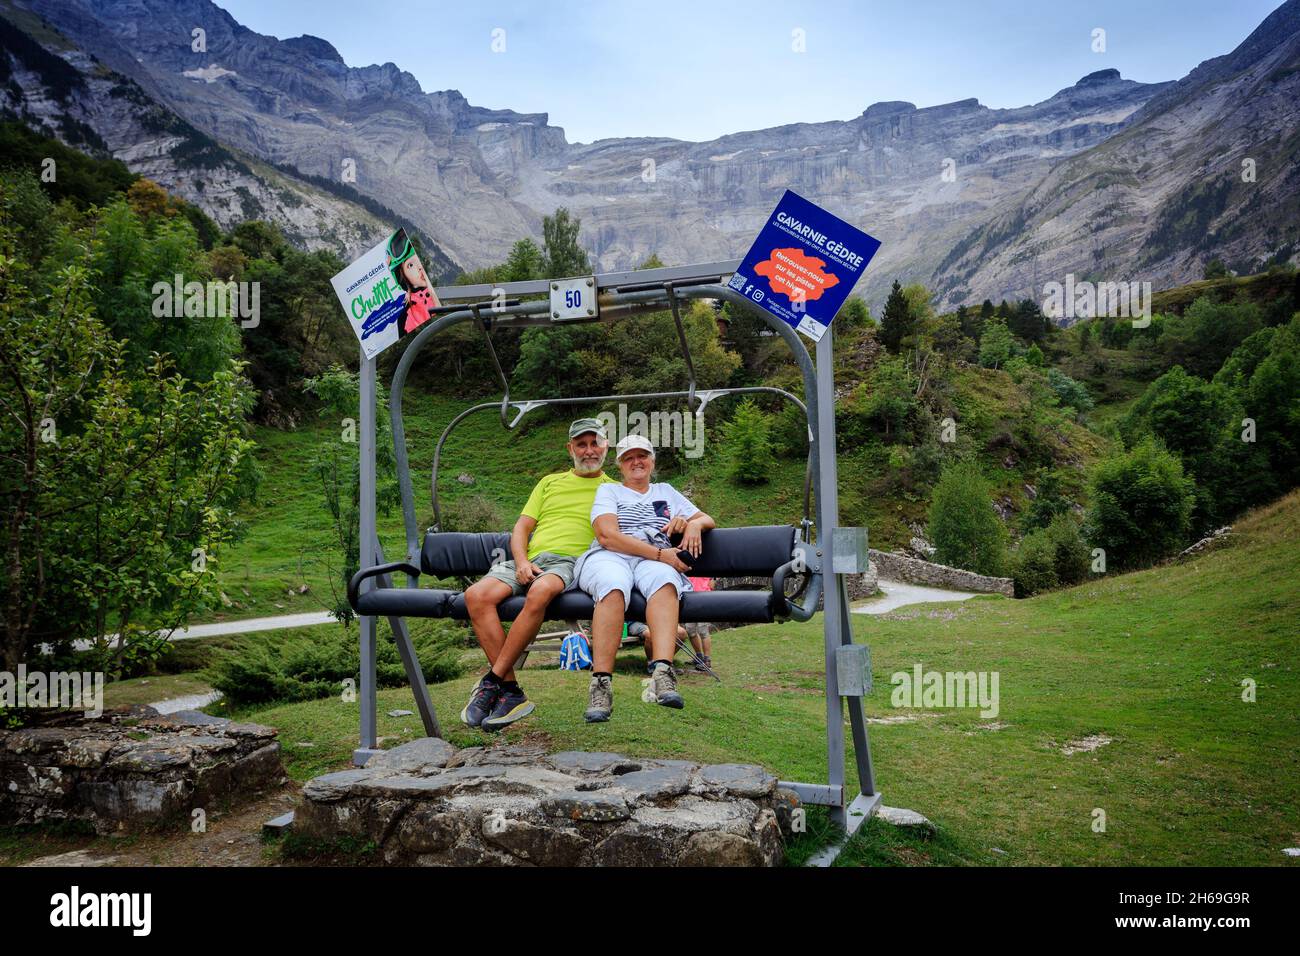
(553, 529)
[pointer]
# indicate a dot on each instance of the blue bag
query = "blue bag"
(575, 653)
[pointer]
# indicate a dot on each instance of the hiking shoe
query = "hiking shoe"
(600, 700)
(481, 701)
(703, 664)
(664, 681)
(511, 705)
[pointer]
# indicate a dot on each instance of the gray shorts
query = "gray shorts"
(558, 564)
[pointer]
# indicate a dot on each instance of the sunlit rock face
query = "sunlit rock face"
(973, 201)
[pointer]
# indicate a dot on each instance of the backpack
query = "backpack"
(575, 653)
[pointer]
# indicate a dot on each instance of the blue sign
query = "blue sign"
(804, 264)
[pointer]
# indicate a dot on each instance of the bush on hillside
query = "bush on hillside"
(472, 514)
(1033, 565)
(964, 529)
(748, 445)
(1141, 506)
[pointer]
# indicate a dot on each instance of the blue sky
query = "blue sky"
(697, 70)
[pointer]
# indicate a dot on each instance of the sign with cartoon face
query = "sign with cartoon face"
(803, 265)
(385, 293)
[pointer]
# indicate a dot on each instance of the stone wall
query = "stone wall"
(132, 769)
(895, 567)
(426, 803)
(898, 567)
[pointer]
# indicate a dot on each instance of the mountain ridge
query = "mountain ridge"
(943, 186)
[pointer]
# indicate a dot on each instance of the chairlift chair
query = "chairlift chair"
(784, 554)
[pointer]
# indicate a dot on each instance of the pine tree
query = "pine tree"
(896, 322)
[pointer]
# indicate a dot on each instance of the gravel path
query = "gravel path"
(898, 594)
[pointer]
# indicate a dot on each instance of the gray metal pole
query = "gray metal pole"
(369, 704)
(828, 518)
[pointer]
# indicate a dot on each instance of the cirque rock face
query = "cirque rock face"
(965, 198)
(1207, 168)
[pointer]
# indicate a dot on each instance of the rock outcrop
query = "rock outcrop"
(425, 803)
(132, 770)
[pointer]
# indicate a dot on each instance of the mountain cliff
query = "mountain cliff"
(1108, 177)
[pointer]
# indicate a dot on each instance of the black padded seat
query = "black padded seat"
(727, 552)
(737, 607)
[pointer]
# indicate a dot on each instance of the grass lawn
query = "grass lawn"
(1152, 662)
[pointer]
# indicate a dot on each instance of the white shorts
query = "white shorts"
(605, 571)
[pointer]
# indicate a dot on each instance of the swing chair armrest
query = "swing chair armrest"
(354, 586)
(786, 606)
(782, 606)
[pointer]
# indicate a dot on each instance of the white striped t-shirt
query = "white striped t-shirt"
(642, 515)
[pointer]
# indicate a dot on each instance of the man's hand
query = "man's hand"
(524, 573)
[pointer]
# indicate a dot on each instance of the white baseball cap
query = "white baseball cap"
(633, 441)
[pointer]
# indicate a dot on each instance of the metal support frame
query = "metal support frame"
(623, 295)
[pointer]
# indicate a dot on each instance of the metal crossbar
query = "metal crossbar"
(635, 280)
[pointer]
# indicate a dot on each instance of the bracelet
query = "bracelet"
(659, 553)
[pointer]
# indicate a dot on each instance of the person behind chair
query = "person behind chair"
(553, 529)
(701, 634)
(633, 522)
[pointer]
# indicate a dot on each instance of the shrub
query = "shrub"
(1072, 557)
(997, 345)
(472, 514)
(1051, 557)
(887, 399)
(964, 528)
(307, 668)
(1033, 566)
(1068, 392)
(1141, 506)
(749, 445)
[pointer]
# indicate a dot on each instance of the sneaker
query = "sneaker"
(664, 681)
(600, 700)
(481, 701)
(511, 705)
(703, 664)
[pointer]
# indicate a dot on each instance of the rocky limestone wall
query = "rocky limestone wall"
(898, 567)
(132, 769)
(426, 803)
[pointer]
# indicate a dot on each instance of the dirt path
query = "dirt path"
(231, 839)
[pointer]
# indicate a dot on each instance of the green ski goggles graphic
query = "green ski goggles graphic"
(400, 248)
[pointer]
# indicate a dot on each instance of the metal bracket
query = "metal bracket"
(849, 550)
(524, 409)
(706, 396)
(853, 670)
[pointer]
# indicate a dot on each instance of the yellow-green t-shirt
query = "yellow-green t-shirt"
(561, 506)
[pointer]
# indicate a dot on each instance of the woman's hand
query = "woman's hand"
(669, 557)
(691, 539)
(675, 525)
